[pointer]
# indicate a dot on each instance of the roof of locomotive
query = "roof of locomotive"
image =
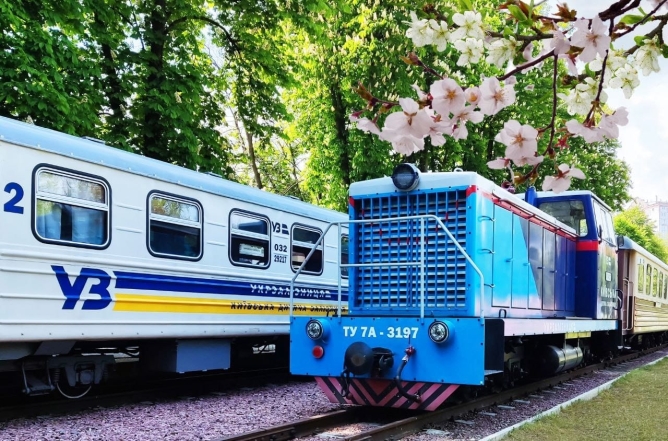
(442, 180)
(48, 140)
(551, 194)
(428, 181)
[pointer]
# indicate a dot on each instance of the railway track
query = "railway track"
(402, 422)
(134, 393)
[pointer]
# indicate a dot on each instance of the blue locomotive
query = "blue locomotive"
(456, 284)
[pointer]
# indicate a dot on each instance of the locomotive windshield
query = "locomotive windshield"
(571, 213)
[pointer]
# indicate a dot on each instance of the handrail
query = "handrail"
(423, 218)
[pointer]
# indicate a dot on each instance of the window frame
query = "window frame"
(76, 174)
(321, 247)
(167, 219)
(347, 269)
(251, 235)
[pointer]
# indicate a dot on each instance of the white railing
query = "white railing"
(419, 263)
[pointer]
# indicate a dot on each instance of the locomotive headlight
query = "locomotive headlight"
(314, 329)
(406, 177)
(439, 332)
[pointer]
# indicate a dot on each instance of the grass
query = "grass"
(634, 408)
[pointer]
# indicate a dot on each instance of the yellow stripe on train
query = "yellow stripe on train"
(149, 303)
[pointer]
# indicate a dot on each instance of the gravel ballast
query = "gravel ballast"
(189, 418)
(218, 415)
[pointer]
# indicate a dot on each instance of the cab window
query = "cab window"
(571, 213)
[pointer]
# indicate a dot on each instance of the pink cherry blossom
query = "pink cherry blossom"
(609, 123)
(403, 143)
(520, 140)
(421, 95)
(562, 181)
(437, 129)
(528, 160)
(412, 120)
(559, 43)
(461, 118)
(526, 53)
(472, 95)
(588, 133)
(368, 126)
(570, 63)
(447, 97)
(493, 97)
(594, 41)
(499, 163)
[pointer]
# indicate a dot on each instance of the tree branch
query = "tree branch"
(233, 41)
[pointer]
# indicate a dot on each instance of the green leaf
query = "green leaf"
(517, 13)
(664, 50)
(466, 5)
(639, 39)
(631, 19)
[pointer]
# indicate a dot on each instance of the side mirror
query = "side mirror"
(600, 233)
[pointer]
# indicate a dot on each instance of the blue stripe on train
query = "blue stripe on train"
(159, 282)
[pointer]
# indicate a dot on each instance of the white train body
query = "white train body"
(102, 245)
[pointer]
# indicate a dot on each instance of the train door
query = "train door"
(608, 302)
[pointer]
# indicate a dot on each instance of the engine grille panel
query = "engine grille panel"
(399, 241)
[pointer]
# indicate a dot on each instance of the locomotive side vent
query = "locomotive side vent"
(400, 241)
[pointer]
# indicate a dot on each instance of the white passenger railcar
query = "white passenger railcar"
(103, 250)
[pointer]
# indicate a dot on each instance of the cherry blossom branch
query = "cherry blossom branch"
(554, 102)
(596, 101)
(617, 9)
(656, 31)
(644, 19)
(527, 65)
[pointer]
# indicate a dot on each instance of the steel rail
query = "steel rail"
(401, 427)
(413, 424)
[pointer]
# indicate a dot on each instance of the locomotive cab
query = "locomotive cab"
(595, 297)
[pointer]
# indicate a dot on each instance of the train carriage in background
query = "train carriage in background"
(104, 251)
(456, 284)
(643, 280)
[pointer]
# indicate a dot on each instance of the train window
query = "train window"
(660, 287)
(175, 227)
(571, 213)
(641, 277)
(249, 239)
(665, 286)
(604, 222)
(648, 280)
(655, 282)
(71, 209)
(344, 256)
(303, 240)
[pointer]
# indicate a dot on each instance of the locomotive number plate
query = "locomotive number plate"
(371, 332)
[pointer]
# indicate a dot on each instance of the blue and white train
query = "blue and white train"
(457, 284)
(104, 251)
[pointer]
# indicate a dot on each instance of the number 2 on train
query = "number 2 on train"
(11, 205)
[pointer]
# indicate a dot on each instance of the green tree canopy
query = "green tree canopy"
(635, 224)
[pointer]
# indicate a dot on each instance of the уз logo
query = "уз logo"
(72, 292)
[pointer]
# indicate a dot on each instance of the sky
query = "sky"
(644, 139)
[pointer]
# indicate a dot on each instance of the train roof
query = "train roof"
(442, 180)
(48, 140)
(428, 181)
(630, 244)
(550, 194)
